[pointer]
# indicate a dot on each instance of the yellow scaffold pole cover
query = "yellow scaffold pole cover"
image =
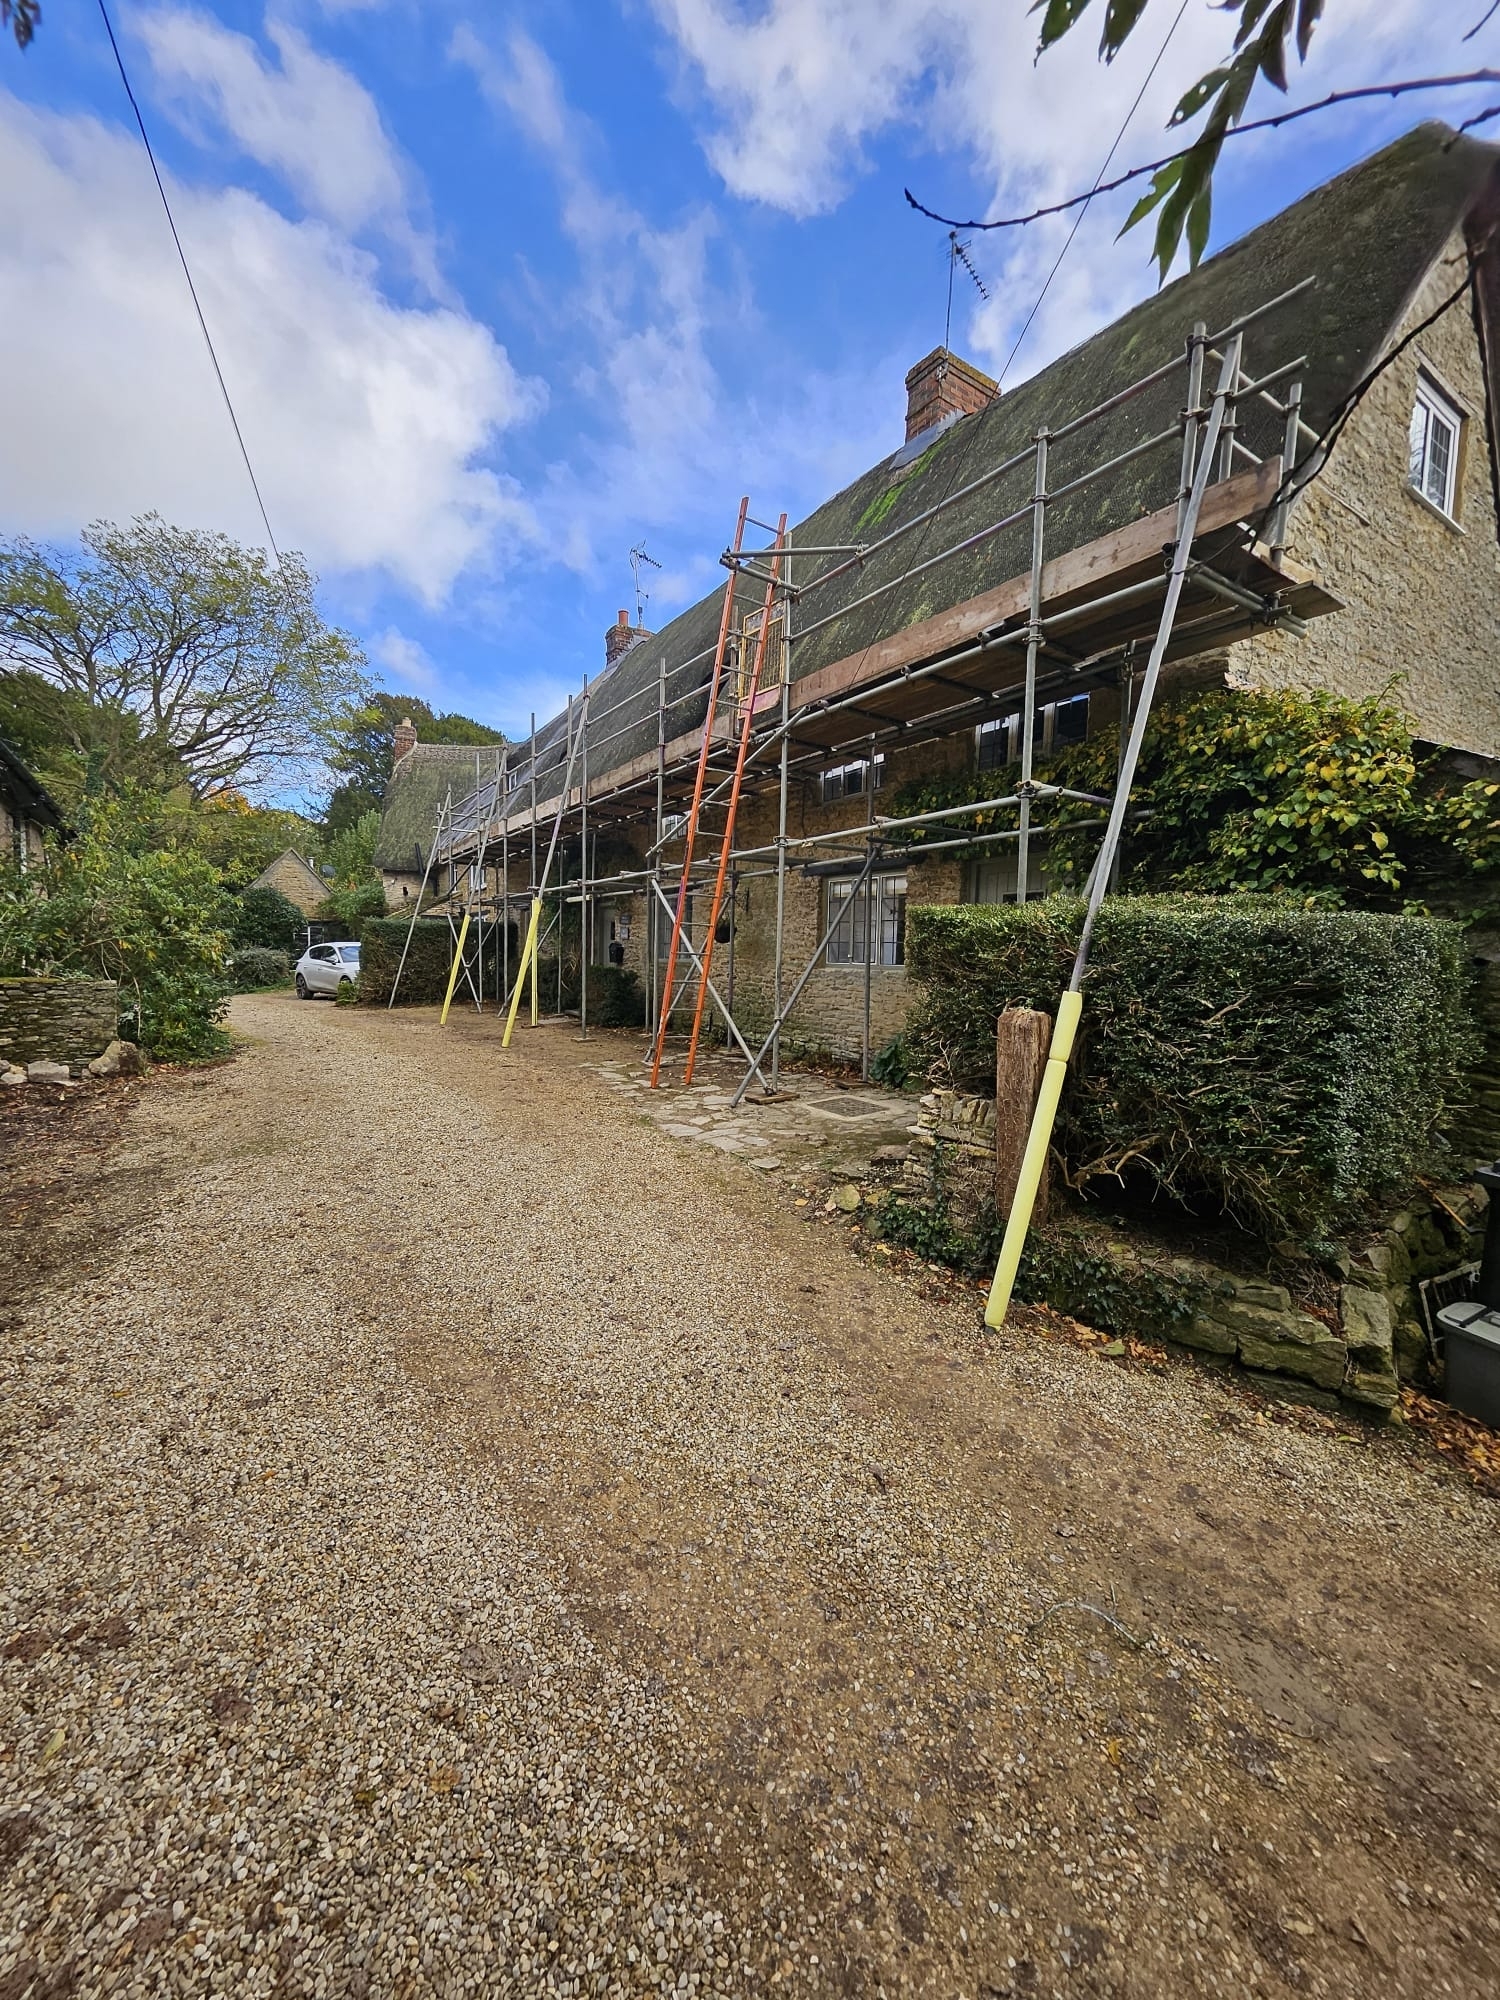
(1064, 1029)
(528, 962)
(458, 959)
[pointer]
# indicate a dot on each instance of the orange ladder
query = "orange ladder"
(747, 723)
(690, 834)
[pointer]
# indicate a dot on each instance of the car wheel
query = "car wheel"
(302, 992)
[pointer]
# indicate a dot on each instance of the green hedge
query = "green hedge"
(254, 966)
(428, 963)
(1289, 1066)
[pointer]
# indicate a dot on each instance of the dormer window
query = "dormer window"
(1436, 427)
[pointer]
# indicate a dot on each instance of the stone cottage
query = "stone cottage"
(425, 777)
(296, 879)
(1347, 540)
(29, 816)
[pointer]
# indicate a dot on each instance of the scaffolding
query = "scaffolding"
(1196, 574)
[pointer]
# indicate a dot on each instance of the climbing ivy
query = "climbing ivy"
(1314, 798)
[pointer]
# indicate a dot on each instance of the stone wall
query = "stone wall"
(1421, 593)
(62, 1020)
(953, 1155)
(1358, 1349)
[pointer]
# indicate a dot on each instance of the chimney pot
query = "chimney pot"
(403, 739)
(620, 637)
(941, 387)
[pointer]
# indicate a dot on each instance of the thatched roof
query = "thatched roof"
(20, 785)
(418, 786)
(1368, 238)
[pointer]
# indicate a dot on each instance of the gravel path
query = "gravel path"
(459, 1538)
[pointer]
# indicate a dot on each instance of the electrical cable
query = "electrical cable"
(1083, 211)
(962, 457)
(192, 288)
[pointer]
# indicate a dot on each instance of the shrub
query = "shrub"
(266, 918)
(354, 907)
(115, 904)
(255, 965)
(1317, 798)
(1288, 1065)
(615, 998)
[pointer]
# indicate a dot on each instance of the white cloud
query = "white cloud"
(368, 423)
(405, 663)
(791, 96)
(652, 302)
(304, 118)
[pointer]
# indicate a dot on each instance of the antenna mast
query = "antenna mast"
(638, 560)
(958, 253)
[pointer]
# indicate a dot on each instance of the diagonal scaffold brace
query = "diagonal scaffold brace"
(445, 812)
(1070, 1004)
(539, 888)
(690, 831)
(726, 846)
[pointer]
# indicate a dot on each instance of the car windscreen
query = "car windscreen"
(349, 953)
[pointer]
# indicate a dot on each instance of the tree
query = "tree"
(75, 748)
(222, 661)
(362, 750)
(1181, 187)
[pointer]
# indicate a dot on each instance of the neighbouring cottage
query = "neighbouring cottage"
(296, 879)
(1347, 539)
(29, 815)
(426, 780)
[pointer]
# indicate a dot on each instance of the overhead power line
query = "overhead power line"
(1234, 132)
(1098, 178)
(239, 436)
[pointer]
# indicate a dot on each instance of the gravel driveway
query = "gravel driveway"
(459, 1538)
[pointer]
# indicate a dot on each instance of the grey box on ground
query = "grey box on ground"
(1471, 1356)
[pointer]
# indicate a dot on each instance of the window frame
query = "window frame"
(1433, 402)
(989, 731)
(848, 949)
(841, 774)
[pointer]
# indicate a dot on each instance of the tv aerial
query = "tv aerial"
(958, 253)
(639, 560)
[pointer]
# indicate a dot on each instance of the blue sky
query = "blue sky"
(501, 290)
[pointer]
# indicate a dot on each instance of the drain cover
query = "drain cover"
(848, 1107)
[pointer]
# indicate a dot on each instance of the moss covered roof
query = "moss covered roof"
(1367, 237)
(414, 797)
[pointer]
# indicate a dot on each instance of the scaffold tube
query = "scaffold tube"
(1064, 1028)
(528, 964)
(458, 959)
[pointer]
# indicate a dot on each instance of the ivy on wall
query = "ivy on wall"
(1314, 798)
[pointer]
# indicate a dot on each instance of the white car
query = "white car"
(327, 968)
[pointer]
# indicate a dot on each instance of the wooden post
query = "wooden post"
(1021, 1038)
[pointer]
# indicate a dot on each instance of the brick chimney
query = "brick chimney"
(620, 637)
(942, 387)
(403, 739)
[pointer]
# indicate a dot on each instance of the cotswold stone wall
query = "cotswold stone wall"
(1360, 1350)
(65, 1020)
(1421, 593)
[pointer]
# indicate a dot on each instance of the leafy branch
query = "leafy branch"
(1181, 189)
(22, 17)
